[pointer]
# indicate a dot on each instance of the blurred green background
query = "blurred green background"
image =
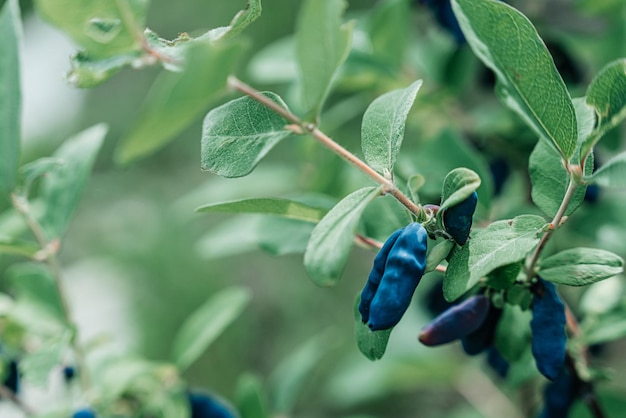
(139, 260)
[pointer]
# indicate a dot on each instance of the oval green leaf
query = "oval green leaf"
(279, 207)
(207, 323)
(372, 344)
(580, 266)
(458, 185)
(612, 174)
(507, 42)
(331, 240)
(501, 243)
(10, 99)
(382, 130)
(238, 134)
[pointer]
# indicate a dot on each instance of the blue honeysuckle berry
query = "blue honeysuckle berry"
(69, 373)
(203, 405)
(481, 339)
(457, 220)
(457, 322)
(497, 362)
(386, 297)
(376, 274)
(84, 413)
(548, 329)
(559, 395)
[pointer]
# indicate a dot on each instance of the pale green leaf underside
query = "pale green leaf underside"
(279, 207)
(506, 41)
(331, 240)
(322, 45)
(103, 28)
(62, 187)
(10, 96)
(242, 20)
(501, 243)
(549, 180)
(382, 130)
(612, 174)
(177, 99)
(238, 134)
(207, 323)
(580, 266)
(458, 185)
(372, 344)
(607, 95)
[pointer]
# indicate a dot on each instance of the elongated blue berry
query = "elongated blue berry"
(457, 220)
(84, 413)
(205, 406)
(368, 292)
(548, 330)
(404, 267)
(560, 395)
(457, 322)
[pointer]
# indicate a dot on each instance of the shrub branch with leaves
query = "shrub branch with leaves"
(500, 279)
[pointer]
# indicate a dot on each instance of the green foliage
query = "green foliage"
(550, 181)
(238, 134)
(501, 243)
(512, 336)
(612, 174)
(10, 97)
(580, 266)
(176, 99)
(279, 207)
(250, 398)
(331, 240)
(458, 185)
(371, 343)
(382, 131)
(63, 186)
(322, 45)
(506, 41)
(207, 323)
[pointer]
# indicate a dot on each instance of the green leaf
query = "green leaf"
(550, 180)
(249, 397)
(204, 325)
(382, 130)
(241, 21)
(331, 240)
(88, 72)
(612, 174)
(437, 254)
(602, 297)
(277, 236)
(580, 266)
(63, 186)
(177, 99)
(458, 185)
(36, 366)
(372, 344)
(287, 381)
(501, 243)
(585, 117)
(103, 28)
(10, 96)
(389, 29)
(322, 45)
(414, 184)
(279, 207)
(238, 134)
(609, 327)
(507, 42)
(18, 248)
(35, 287)
(607, 95)
(513, 332)
(28, 173)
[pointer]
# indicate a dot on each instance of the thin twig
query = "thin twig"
(388, 186)
(7, 393)
(21, 205)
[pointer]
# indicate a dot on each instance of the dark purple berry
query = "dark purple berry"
(84, 413)
(497, 362)
(457, 220)
(481, 339)
(457, 322)
(548, 330)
